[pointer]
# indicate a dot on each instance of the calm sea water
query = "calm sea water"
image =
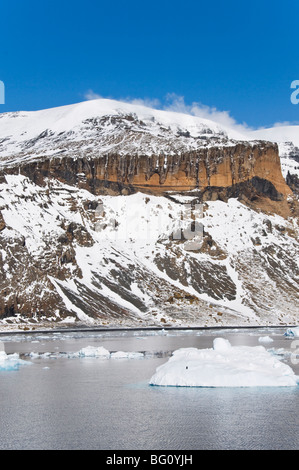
(89, 403)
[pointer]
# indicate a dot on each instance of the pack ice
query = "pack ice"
(224, 365)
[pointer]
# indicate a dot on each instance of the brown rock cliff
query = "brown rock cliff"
(218, 167)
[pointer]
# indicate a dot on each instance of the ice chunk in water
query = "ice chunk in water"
(291, 332)
(91, 351)
(11, 361)
(224, 366)
(265, 339)
(221, 344)
(126, 355)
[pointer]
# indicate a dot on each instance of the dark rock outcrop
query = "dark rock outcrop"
(2, 223)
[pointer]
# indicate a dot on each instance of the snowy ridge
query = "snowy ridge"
(100, 127)
(278, 134)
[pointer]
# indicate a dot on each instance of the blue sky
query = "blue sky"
(234, 56)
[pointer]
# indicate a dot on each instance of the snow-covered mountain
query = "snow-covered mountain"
(105, 126)
(117, 214)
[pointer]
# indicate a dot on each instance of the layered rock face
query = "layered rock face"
(216, 167)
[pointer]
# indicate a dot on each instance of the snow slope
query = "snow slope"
(278, 134)
(115, 260)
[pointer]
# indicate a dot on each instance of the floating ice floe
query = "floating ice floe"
(292, 332)
(126, 355)
(224, 366)
(91, 351)
(11, 361)
(265, 339)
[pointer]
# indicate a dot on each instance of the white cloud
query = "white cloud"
(91, 95)
(177, 103)
(149, 102)
(286, 123)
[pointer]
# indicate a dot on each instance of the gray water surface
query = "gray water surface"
(91, 403)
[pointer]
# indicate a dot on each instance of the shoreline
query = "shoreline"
(145, 328)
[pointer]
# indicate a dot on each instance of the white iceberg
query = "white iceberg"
(265, 339)
(292, 332)
(224, 366)
(91, 351)
(126, 355)
(11, 361)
